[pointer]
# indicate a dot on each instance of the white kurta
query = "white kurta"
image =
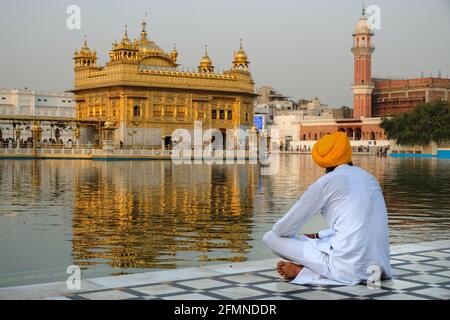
(352, 203)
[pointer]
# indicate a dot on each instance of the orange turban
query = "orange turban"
(332, 150)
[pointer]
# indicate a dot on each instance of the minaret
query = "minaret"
(362, 50)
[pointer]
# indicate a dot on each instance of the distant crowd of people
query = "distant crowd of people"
(361, 149)
(379, 151)
(28, 143)
(296, 148)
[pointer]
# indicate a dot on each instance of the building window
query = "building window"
(222, 114)
(230, 115)
(246, 117)
(214, 114)
(137, 111)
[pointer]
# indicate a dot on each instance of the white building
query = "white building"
(35, 103)
(17, 103)
(288, 122)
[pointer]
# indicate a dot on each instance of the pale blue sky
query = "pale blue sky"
(302, 48)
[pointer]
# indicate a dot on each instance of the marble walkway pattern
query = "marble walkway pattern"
(422, 271)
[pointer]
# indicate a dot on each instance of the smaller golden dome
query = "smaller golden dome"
(206, 60)
(206, 64)
(85, 48)
(126, 41)
(241, 58)
(174, 54)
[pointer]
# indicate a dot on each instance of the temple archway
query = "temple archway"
(358, 134)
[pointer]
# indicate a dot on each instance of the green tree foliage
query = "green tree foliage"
(428, 122)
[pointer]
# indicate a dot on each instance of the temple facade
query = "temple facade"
(144, 95)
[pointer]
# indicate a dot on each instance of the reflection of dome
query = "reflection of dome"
(109, 124)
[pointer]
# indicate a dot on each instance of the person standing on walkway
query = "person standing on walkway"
(352, 203)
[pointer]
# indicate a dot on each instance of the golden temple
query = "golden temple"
(145, 96)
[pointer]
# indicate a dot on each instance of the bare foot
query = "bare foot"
(280, 266)
(288, 270)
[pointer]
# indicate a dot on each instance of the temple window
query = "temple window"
(222, 114)
(137, 111)
(230, 115)
(214, 114)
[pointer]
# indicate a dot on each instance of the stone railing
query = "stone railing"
(44, 151)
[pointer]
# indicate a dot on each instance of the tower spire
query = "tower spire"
(363, 83)
(125, 36)
(144, 27)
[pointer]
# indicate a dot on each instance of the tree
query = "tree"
(427, 122)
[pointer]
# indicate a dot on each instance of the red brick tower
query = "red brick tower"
(363, 86)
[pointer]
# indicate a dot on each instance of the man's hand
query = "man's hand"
(312, 235)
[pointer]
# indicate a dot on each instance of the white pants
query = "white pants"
(301, 251)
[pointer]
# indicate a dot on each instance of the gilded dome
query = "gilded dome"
(85, 48)
(240, 57)
(146, 45)
(174, 54)
(126, 41)
(206, 61)
(206, 64)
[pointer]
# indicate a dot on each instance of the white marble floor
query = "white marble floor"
(421, 272)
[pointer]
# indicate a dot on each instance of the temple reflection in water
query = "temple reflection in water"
(132, 216)
(146, 215)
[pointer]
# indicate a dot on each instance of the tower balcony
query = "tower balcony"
(363, 51)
